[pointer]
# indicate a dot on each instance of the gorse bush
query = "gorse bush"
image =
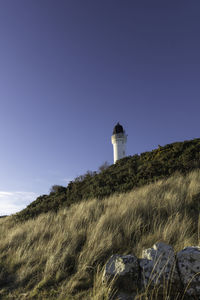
(126, 174)
(60, 255)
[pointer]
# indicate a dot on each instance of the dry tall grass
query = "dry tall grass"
(56, 256)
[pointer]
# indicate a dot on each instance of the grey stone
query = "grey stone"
(158, 267)
(158, 270)
(124, 271)
(188, 261)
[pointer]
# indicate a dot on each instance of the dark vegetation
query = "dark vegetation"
(127, 173)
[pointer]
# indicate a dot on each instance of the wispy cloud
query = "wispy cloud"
(66, 180)
(12, 202)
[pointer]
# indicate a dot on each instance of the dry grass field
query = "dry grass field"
(61, 256)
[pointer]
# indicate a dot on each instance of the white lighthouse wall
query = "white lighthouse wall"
(119, 145)
(119, 148)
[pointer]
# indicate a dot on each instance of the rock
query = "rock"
(158, 274)
(188, 261)
(124, 271)
(158, 268)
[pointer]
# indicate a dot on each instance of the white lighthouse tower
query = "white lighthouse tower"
(119, 139)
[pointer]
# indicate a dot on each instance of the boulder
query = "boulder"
(158, 268)
(158, 272)
(124, 271)
(188, 261)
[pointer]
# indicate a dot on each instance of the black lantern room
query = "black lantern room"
(118, 129)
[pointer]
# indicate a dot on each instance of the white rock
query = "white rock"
(189, 268)
(158, 265)
(124, 270)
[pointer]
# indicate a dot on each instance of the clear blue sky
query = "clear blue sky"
(71, 69)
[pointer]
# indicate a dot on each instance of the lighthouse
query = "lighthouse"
(118, 140)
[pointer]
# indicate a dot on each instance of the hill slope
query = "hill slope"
(56, 255)
(127, 173)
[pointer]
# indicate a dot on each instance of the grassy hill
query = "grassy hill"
(126, 174)
(57, 246)
(60, 255)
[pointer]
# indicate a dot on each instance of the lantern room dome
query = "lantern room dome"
(118, 129)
